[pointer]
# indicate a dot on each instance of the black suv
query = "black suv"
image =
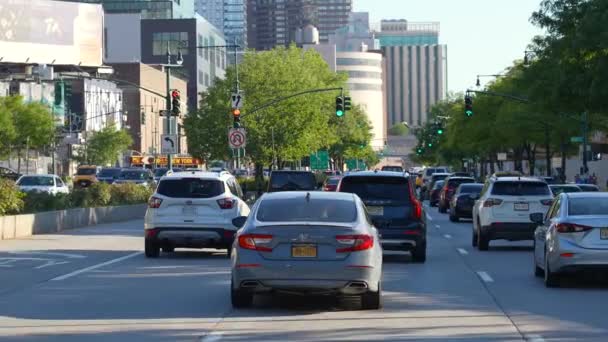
(292, 181)
(393, 209)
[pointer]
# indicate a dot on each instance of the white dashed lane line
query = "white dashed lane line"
(437, 226)
(428, 217)
(462, 251)
(213, 336)
(447, 236)
(534, 338)
(485, 276)
(90, 268)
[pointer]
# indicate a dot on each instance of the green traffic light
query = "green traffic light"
(339, 113)
(440, 131)
(430, 145)
(469, 112)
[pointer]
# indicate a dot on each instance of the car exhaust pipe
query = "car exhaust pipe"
(357, 285)
(250, 283)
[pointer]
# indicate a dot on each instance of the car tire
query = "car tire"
(442, 209)
(239, 298)
(229, 252)
(372, 300)
(538, 272)
(475, 239)
(419, 253)
(152, 249)
(552, 279)
(454, 218)
(168, 249)
(483, 242)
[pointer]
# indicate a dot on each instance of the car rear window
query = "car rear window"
(36, 181)
(439, 185)
(86, 171)
(289, 181)
(559, 189)
(429, 172)
(377, 188)
(314, 210)
(454, 183)
(470, 189)
(109, 172)
(439, 177)
(333, 181)
(392, 168)
(520, 189)
(588, 206)
(190, 188)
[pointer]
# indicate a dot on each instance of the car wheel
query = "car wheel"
(442, 209)
(551, 279)
(152, 249)
(482, 241)
(229, 252)
(454, 218)
(538, 272)
(419, 253)
(240, 298)
(474, 240)
(168, 249)
(372, 300)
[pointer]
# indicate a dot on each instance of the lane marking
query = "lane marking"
(534, 338)
(485, 276)
(447, 236)
(212, 336)
(90, 268)
(437, 226)
(428, 217)
(462, 251)
(65, 255)
(51, 263)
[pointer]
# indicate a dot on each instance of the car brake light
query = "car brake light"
(546, 202)
(155, 202)
(417, 206)
(226, 203)
(355, 243)
(571, 228)
(253, 242)
(151, 233)
(490, 202)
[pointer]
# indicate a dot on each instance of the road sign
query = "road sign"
(168, 143)
(237, 138)
(237, 100)
(501, 156)
(576, 139)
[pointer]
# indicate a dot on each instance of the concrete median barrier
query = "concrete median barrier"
(19, 226)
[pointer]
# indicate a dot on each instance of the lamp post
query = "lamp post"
(179, 61)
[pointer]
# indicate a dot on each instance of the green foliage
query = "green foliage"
(249, 184)
(40, 201)
(11, 199)
(399, 129)
(22, 123)
(129, 193)
(104, 147)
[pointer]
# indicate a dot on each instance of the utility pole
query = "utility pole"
(168, 102)
(585, 129)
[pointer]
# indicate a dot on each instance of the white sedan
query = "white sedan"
(50, 184)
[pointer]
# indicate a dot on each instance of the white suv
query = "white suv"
(504, 207)
(193, 210)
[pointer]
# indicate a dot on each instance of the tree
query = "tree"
(399, 129)
(104, 147)
(352, 135)
(7, 127)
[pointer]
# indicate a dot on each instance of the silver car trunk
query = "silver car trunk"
(592, 238)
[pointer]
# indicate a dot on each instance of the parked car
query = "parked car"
(448, 190)
(193, 209)
(86, 175)
(588, 187)
(557, 189)
(393, 208)
(394, 168)
(292, 181)
(434, 179)
(461, 204)
(572, 236)
(435, 192)
(307, 242)
(503, 209)
(50, 184)
(331, 183)
(8, 173)
(109, 174)
(135, 176)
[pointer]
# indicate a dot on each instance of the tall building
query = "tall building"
(275, 22)
(229, 16)
(402, 33)
(149, 9)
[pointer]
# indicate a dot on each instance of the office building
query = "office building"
(403, 33)
(148, 9)
(229, 16)
(275, 22)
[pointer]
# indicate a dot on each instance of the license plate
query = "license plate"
(604, 233)
(521, 206)
(376, 211)
(304, 251)
(189, 211)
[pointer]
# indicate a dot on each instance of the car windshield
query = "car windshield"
(377, 188)
(302, 210)
(86, 171)
(470, 189)
(454, 183)
(190, 188)
(438, 185)
(160, 172)
(36, 181)
(292, 181)
(520, 189)
(109, 173)
(429, 172)
(134, 175)
(588, 206)
(588, 187)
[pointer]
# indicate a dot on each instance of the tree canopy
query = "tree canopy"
(104, 147)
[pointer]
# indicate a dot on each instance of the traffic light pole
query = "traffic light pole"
(168, 104)
(280, 99)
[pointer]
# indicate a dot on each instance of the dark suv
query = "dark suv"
(292, 181)
(448, 190)
(393, 209)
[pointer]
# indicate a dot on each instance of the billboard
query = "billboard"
(43, 31)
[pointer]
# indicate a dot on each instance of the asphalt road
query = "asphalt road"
(94, 284)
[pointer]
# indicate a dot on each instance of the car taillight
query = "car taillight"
(354, 243)
(253, 242)
(546, 202)
(490, 202)
(155, 202)
(226, 203)
(416, 205)
(571, 228)
(151, 233)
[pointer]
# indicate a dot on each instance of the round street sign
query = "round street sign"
(236, 138)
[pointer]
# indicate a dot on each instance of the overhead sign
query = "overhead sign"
(237, 100)
(319, 160)
(185, 161)
(501, 156)
(168, 144)
(237, 138)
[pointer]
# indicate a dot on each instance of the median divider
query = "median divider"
(20, 226)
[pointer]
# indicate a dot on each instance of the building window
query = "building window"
(358, 61)
(199, 43)
(365, 86)
(177, 41)
(206, 51)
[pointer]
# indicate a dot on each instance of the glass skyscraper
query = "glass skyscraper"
(229, 16)
(149, 9)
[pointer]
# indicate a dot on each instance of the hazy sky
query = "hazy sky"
(483, 36)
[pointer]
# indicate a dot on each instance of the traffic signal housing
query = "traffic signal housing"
(468, 105)
(339, 106)
(347, 103)
(236, 115)
(175, 103)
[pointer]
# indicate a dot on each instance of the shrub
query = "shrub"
(11, 199)
(100, 194)
(129, 193)
(41, 201)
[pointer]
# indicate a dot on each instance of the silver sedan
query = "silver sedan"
(307, 243)
(573, 236)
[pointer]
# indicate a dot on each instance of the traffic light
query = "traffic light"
(236, 114)
(339, 106)
(468, 105)
(175, 103)
(347, 103)
(419, 150)
(430, 144)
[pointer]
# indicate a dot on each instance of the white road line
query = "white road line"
(447, 236)
(462, 251)
(90, 268)
(437, 226)
(213, 336)
(485, 276)
(65, 255)
(534, 338)
(428, 217)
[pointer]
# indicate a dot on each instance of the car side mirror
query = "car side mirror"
(239, 222)
(538, 218)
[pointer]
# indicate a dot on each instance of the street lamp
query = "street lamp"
(478, 83)
(528, 54)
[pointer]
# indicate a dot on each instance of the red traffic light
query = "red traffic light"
(236, 112)
(175, 94)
